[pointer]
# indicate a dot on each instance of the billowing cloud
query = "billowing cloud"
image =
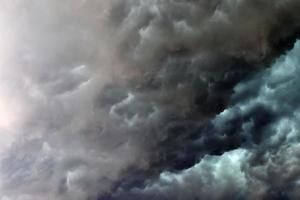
(263, 122)
(148, 99)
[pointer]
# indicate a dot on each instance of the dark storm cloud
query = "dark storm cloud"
(114, 93)
(187, 56)
(264, 165)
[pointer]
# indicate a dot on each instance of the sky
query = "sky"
(149, 99)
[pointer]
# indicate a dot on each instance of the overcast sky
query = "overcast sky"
(149, 99)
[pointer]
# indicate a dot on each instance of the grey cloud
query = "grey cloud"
(111, 88)
(63, 147)
(264, 164)
(214, 177)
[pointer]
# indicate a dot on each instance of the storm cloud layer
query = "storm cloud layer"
(264, 123)
(149, 99)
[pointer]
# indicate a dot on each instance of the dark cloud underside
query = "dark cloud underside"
(149, 99)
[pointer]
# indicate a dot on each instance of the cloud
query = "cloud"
(214, 177)
(103, 93)
(265, 163)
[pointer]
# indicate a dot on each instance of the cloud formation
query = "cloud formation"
(264, 115)
(145, 99)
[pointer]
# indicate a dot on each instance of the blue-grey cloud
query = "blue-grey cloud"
(264, 115)
(118, 99)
